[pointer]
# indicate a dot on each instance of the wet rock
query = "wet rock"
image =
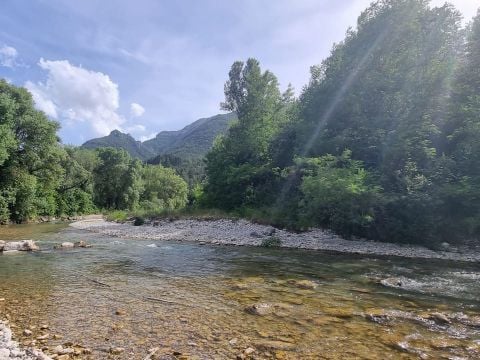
(249, 351)
(339, 312)
(239, 286)
(392, 282)
(303, 284)
(259, 309)
(82, 244)
(378, 316)
(116, 350)
(439, 318)
(22, 245)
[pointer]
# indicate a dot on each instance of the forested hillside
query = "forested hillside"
(382, 143)
(191, 142)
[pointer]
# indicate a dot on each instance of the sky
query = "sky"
(150, 65)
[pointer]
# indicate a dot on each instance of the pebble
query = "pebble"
(116, 350)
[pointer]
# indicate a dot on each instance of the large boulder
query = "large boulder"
(22, 245)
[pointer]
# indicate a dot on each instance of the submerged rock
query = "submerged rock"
(22, 245)
(439, 318)
(303, 284)
(259, 309)
(81, 244)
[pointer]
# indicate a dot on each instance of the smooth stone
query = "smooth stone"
(259, 309)
(116, 350)
(27, 332)
(249, 351)
(439, 318)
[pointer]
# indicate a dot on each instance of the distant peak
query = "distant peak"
(116, 132)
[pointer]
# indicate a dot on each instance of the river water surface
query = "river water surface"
(189, 301)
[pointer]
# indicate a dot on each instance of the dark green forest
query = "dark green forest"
(382, 143)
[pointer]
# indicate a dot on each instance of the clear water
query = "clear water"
(189, 300)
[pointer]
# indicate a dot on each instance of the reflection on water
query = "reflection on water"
(189, 301)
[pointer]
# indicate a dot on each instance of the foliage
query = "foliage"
(163, 189)
(336, 194)
(271, 242)
(383, 142)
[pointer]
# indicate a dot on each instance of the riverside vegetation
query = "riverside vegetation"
(382, 143)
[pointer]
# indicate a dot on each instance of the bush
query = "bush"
(117, 216)
(271, 242)
(139, 221)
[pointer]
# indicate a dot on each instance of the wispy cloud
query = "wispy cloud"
(8, 56)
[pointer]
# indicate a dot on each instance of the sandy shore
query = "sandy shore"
(244, 233)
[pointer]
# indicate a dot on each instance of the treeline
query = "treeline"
(40, 177)
(383, 143)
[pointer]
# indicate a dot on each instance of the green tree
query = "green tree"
(238, 167)
(163, 189)
(337, 194)
(117, 180)
(29, 157)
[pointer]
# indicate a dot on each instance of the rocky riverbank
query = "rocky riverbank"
(244, 233)
(10, 350)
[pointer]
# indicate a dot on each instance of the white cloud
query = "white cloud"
(74, 94)
(42, 102)
(136, 110)
(8, 56)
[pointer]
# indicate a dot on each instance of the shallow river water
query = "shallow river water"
(190, 301)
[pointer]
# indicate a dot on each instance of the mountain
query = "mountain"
(120, 140)
(191, 142)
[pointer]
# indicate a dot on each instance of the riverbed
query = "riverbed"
(133, 298)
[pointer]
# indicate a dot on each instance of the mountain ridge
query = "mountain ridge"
(192, 141)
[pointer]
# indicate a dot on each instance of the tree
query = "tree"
(29, 157)
(337, 194)
(117, 180)
(238, 168)
(163, 189)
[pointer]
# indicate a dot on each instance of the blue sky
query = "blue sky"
(149, 65)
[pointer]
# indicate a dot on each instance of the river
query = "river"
(189, 300)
